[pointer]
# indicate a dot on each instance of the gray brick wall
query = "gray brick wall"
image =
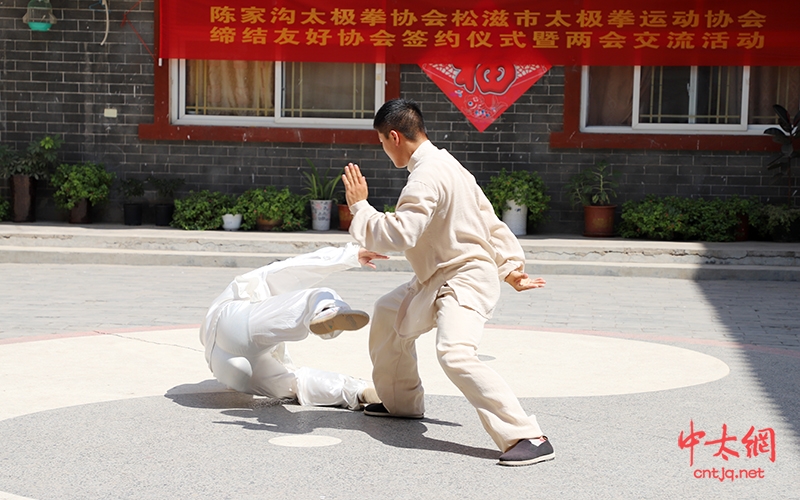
(61, 81)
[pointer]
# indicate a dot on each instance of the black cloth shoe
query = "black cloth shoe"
(378, 410)
(525, 453)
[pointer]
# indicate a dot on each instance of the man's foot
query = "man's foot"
(335, 318)
(369, 395)
(378, 410)
(528, 452)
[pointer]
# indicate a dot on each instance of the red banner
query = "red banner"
(588, 32)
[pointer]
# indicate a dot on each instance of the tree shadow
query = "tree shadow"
(258, 414)
(763, 318)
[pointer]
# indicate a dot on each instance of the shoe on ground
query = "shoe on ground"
(378, 410)
(526, 453)
(334, 318)
(368, 396)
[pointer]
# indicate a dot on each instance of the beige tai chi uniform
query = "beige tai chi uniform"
(460, 251)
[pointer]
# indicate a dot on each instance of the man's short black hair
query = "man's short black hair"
(402, 115)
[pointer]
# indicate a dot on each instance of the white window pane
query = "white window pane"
(664, 94)
(719, 95)
(773, 85)
(230, 88)
(610, 95)
(328, 90)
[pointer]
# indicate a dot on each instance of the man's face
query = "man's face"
(391, 146)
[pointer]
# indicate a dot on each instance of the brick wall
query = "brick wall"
(61, 81)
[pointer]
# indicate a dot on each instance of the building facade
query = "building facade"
(107, 94)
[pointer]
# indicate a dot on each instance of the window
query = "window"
(275, 94)
(685, 100)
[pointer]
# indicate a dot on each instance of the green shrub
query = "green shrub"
(523, 187)
(5, 210)
(777, 222)
(201, 211)
(273, 204)
(74, 182)
(673, 218)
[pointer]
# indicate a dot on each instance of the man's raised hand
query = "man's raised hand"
(521, 281)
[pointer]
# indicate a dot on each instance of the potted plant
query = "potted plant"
(24, 170)
(80, 186)
(200, 211)
(786, 135)
(165, 197)
(268, 209)
(321, 191)
(132, 190)
(231, 217)
(593, 188)
(517, 197)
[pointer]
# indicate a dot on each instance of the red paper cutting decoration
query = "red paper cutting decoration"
(484, 91)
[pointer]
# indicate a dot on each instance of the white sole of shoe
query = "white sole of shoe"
(389, 415)
(543, 458)
(343, 320)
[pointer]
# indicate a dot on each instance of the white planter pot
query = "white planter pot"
(231, 222)
(516, 218)
(321, 214)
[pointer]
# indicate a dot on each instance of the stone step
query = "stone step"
(545, 255)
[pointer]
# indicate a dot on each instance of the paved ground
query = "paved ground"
(105, 394)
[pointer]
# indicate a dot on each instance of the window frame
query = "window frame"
(638, 127)
(162, 129)
(180, 117)
(573, 137)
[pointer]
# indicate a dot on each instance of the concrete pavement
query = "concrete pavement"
(106, 394)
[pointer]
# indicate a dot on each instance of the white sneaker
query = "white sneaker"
(334, 318)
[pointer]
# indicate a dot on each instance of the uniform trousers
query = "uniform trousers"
(459, 331)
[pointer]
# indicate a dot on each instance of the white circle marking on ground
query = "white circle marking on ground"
(304, 441)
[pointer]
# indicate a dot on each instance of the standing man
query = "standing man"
(459, 251)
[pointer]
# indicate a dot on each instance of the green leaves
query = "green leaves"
(786, 135)
(678, 219)
(522, 186)
(273, 204)
(74, 182)
(37, 160)
(201, 211)
(320, 186)
(592, 186)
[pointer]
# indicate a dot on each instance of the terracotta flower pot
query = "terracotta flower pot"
(81, 213)
(345, 217)
(263, 224)
(23, 198)
(598, 220)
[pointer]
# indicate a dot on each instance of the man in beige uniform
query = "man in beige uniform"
(458, 249)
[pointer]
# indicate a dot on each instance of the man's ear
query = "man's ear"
(394, 136)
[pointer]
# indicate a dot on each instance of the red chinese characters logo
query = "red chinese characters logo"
(755, 442)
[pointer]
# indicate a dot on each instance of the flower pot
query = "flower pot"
(231, 222)
(23, 198)
(516, 218)
(263, 224)
(132, 214)
(345, 217)
(321, 214)
(164, 212)
(742, 230)
(598, 220)
(81, 213)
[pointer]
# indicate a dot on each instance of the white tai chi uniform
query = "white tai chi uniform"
(246, 327)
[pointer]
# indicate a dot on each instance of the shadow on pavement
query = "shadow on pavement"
(763, 317)
(275, 417)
